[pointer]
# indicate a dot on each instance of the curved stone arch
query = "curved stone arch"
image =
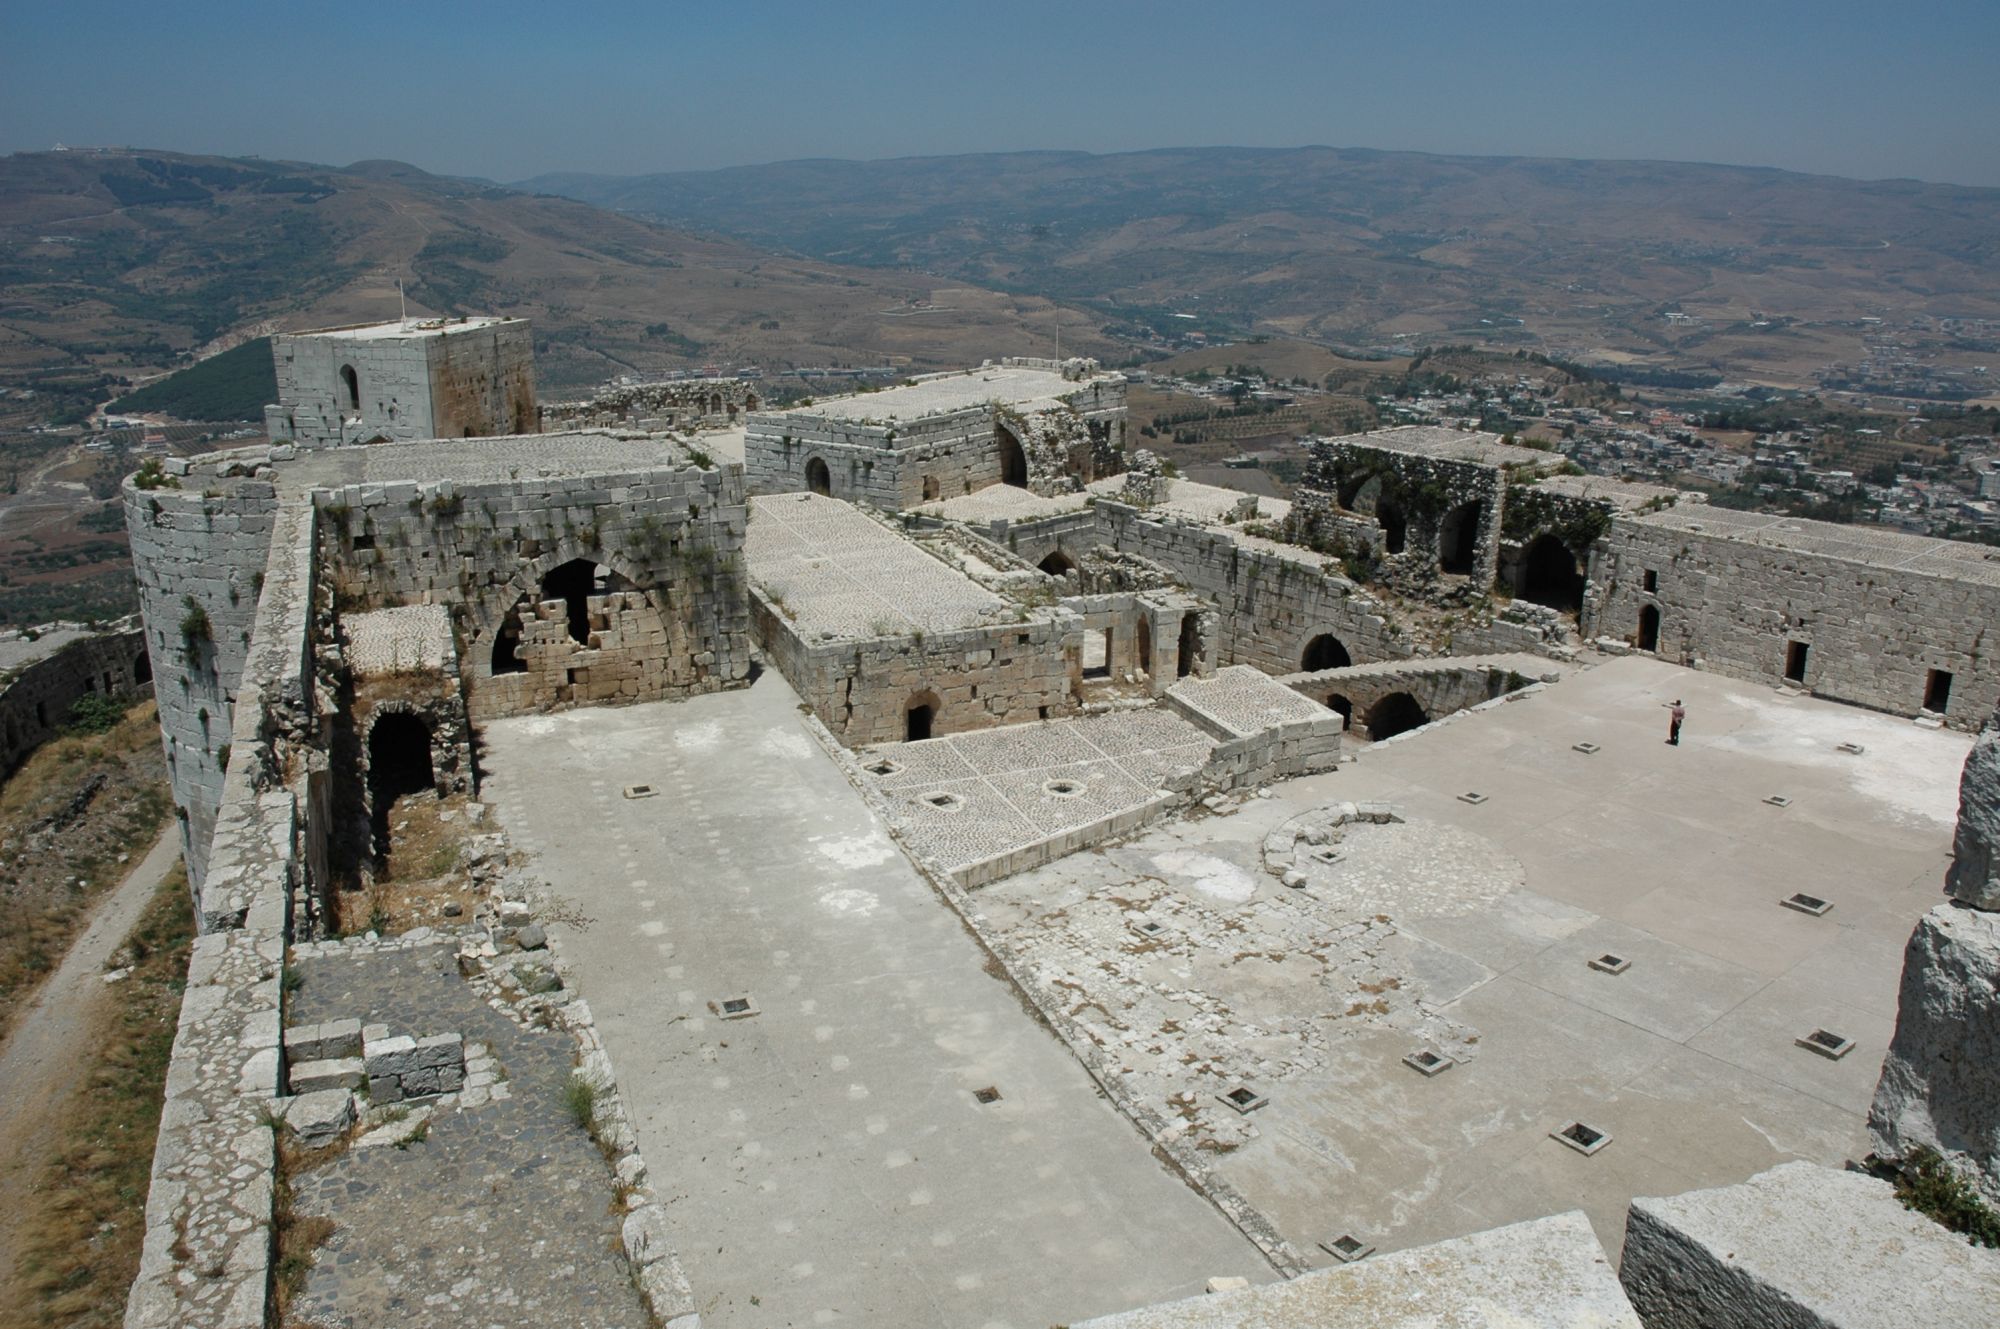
(1359, 493)
(443, 758)
(1057, 562)
(1012, 452)
(1323, 650)
(813, 459)
(496, 602)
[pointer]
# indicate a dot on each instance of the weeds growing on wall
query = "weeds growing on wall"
(1925, 1185)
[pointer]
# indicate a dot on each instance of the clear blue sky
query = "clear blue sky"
(508, 90)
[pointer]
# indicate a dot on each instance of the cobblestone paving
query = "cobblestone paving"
(500, 1216)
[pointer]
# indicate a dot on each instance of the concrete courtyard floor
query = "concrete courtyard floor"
(1470, 929)
(824, 1160)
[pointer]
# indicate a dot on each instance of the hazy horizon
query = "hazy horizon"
(622, 89)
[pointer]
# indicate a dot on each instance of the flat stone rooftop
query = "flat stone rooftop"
(409, 329)
(1468, 928)
(1245, 701)
(842, 575)
(825, 1160)
(1872, 546)
(1020, 387)
(474, 461)
(1189, 500)
(403, 640)
(1450, 444)
(1624, 495)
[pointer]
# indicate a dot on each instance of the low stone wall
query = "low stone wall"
(1802, 1247)
(34, 706)
(1440, 686)
(656, 407)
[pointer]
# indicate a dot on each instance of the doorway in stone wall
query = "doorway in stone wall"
(818, 478)
(1649, 627)
(399, 764)
(1190, 643)
(1324, 652)
(920, 717)
(1013, 461)
(1458, 539)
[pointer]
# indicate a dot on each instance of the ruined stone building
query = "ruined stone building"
(1009, 641)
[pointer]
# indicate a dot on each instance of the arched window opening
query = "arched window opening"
(1649, 627)
(351, 382)
(1550, 576)
(1395, 529)
(1458, 539)
(1058, 564)
(1345, 708)
(142, 669)
(399, 764)
(574, 583)
(1190, 645)
(1325, 652)
(818, 478)
(1013, 462)
(1397, 713)
(919, 717)
(1348, 492)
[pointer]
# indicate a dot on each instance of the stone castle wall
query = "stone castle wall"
(1428, 494)
(862, 690)
(472, 382)
(483, 381)
(199, 548)
(1874, 633)
(674, 535)
(34, 706)
(657, 407)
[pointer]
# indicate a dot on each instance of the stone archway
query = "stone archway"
(1013, 461)
(1324, 652)
(818, 478)
(1397, 713)
(399, 764)
(1550, 576)
(1649, 627)
(503, 611)
(1458, 538)
(1058, 564)
(920, 715)
(1395, 527)
(1190, 645)
(1339, 703)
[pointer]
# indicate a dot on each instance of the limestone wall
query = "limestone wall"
(482, 381)
(657, 407)
(674, 536)
(1874, 633)
(474, 381)
(1417, 501)
(1271, 600)
(1440, 686)
(34, 705)
(862, 690)
(199, 548)
(891, 467)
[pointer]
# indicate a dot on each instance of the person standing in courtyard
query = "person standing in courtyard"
(1675, 715)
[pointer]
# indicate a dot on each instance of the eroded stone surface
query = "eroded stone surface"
(1975, 869)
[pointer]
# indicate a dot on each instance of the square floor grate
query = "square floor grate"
(1851, 749)
(1243, 1098)
(734, 1008)
(987, 1095)
(1779, 800)
(1472, 796)
(642, 791)
(1427, 1062)
(1584, 1139)
(1806, 904)
(1608, 963)
(1587, 749)
(1826, 1043)
(1347, 1248)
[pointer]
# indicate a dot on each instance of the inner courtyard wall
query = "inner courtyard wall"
(1873, 633)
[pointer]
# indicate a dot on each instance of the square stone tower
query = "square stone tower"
(395, 382)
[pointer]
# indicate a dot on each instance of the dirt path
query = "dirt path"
(41, 1065)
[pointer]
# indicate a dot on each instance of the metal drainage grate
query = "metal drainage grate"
(734, 1008)
(1347, 1248)
(1779, 800)
(1611, 964)
(1427, 1062)
(1828, 1044)
(1243, 1098)
(884, 767)
(1587, 749)
(1851, 749)
(987, 1095)
(1806, 904)
(1471, 796)
(1584, 1139)
(1064, 788)
(641, 791)
(949, 802)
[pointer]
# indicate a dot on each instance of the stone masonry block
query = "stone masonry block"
(390, 1056)
(333, 1073)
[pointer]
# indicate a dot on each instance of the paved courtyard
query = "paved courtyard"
(825, 1159)
(1467, 928)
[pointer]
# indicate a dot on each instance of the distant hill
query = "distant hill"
(127, 262)
(235, 385)
(1358, 248)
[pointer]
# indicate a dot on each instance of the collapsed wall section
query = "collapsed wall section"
(34, 705)
(613, 587)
